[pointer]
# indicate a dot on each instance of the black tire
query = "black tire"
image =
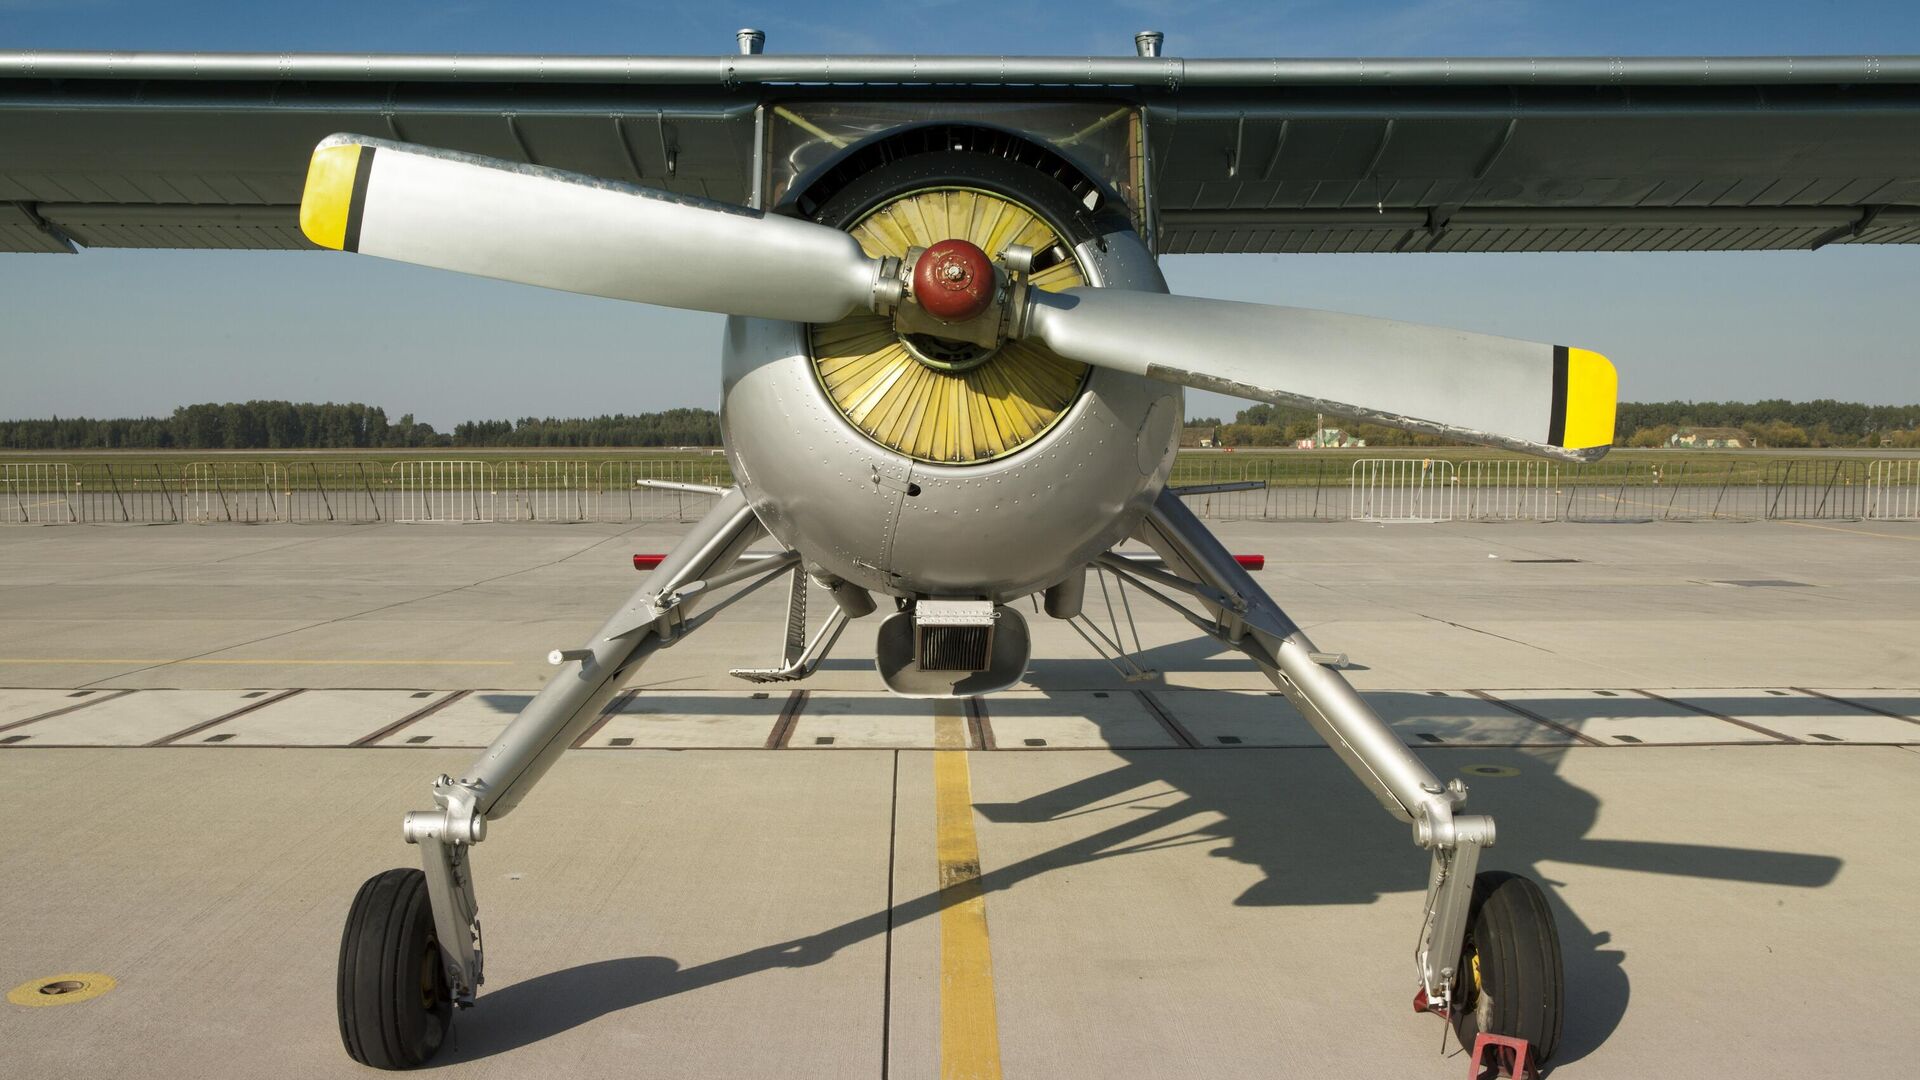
(395, 1008)
(1516, 986)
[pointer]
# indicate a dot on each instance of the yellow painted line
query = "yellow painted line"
(969, 1028)
(949, 726)
(223, 663)
(1850, 532)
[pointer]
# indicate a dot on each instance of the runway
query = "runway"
(1704, 738)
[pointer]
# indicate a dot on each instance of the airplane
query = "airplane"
(952, 373)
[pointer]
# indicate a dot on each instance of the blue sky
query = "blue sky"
(120, 333)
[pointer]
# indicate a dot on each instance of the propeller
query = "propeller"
(1543, 399)
(562, 230)
(577, 233)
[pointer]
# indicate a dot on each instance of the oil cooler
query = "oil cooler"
(953, 635)
(952, 648)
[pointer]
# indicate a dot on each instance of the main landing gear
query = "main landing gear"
(1489, 957)
(411, 952)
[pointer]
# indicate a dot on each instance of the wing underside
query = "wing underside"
(170, 151)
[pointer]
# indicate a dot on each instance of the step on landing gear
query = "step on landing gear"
(395, 1008)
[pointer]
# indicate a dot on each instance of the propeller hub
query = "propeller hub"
(953, 281)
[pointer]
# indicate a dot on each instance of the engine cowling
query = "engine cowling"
(922, 467)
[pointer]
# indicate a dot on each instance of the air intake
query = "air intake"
(949, 649)
(953, 635)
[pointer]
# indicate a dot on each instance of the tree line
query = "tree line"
(1277, 425)
(286, 425)
(673, 427)
(1774, 423)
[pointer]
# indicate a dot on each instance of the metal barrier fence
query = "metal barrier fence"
(229, 491)
(1509, 490)
(1274, 487)
(1519, 490)
(1292, 490)
(37, 493)
(546, 490)
(128, 494)
(1609, 492)
(1684, 491)
(441, 491)
(623, 499)
(1812, 488)
(1401, 490)
(1893, 490)
(354, 492)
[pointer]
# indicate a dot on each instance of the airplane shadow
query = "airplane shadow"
(1316, 837)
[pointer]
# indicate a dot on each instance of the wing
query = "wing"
(170, 150)
(1548, 155)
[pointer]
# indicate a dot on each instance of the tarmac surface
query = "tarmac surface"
(1705, 739)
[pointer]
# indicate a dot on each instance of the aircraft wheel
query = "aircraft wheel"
(1510, 966)
(395, 1008)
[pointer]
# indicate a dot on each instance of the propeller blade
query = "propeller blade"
(576, 233)
(1542, 399)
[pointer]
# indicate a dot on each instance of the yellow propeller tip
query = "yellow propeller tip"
(1592, 390)
(326, 206)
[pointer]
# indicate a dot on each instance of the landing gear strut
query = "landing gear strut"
(411, 953)
(1489, 958)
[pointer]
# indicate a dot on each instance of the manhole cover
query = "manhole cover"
(62, 989)
(1489, 770)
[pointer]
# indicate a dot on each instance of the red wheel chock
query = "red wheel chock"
(1517, 1066)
